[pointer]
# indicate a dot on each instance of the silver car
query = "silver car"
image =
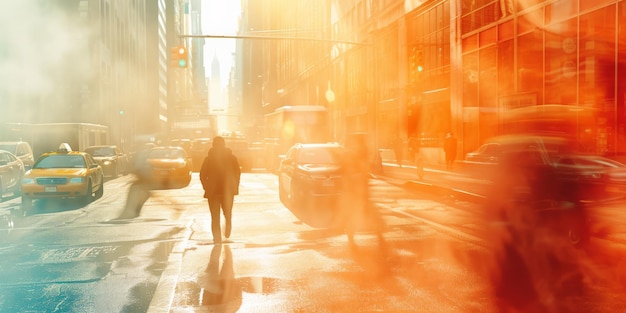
(22, 150)
(11, 172)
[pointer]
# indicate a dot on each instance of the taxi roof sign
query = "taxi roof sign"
(64, 147)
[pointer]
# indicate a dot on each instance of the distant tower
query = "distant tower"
(217, 105)
(215, 86)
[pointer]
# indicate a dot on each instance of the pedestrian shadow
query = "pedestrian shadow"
(218, 282)
(215, 288)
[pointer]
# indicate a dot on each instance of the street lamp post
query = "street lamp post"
(330, 97)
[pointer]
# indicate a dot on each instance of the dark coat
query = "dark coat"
(220, 173)
(449, 146)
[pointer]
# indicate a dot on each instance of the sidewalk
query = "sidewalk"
(189, 256)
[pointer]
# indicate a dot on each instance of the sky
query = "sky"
(220, 17)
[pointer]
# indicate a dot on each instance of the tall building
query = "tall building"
(88, 64)
(217, 106)
(157, 55)
(187, 110)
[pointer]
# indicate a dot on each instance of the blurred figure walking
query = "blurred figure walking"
(139, 190)
(416, 156)
(398, 147)
(356, 211)
(220, 174)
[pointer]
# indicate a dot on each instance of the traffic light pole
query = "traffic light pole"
(356, 43)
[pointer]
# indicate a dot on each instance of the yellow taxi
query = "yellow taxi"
(169, 166)
(63, 174)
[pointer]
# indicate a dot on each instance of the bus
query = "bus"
(292, 124)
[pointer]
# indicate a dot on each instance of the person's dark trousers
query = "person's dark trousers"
(217, 204)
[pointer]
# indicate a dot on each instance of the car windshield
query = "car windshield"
(9, 147)
(201, 145)
(105, 151)
(166, 154)
(320, 156)
(60, 161)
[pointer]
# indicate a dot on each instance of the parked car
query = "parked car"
(487, 153)
(183, 143)
(199, 149)
(22, 150)
(11, 172)
(601, 178)
(113, 160)
(550, 144)
(63, 174)
(528, 175)
(169, 167)
(310, 175)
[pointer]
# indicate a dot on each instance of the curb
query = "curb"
(166, 288)
(444, 191)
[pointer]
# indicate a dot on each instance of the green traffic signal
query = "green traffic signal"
(179, 57)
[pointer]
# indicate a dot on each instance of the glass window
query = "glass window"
(506, 67)
(589, 4)
(597, 56)
(530, 63)
(488, 77)
(470, 79)
(561, 63)
(61, 161)
(560, 10)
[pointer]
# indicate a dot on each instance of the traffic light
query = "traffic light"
(419, 60)
(416, 64)
(179, 57)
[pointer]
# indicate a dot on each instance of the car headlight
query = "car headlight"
(107, 162)
(76, 180)
(28, 181)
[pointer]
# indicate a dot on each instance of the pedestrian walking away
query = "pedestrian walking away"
(449, 148)
(220, 174)
(398, 147)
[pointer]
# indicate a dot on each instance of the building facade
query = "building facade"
(423, 68)
(544, 52)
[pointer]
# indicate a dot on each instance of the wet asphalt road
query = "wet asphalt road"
(68, 258)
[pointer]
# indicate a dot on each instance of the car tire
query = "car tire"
(27, 205)
(88, 197)
(282, 194)
(100, 191)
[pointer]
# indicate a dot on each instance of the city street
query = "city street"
(435, 255)
(276, 263)
(386, 156)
